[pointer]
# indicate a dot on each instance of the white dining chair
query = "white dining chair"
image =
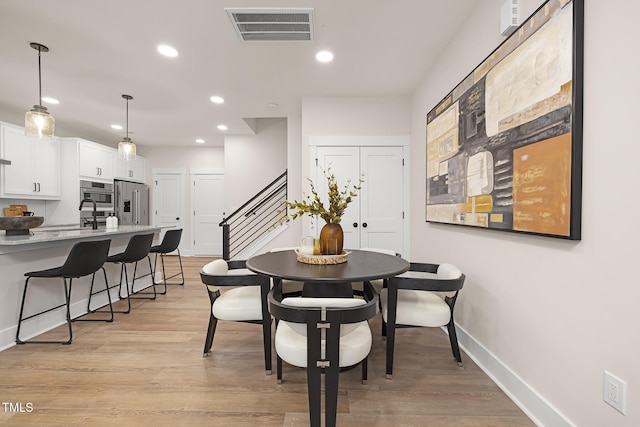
(243, 299)
(424, 296)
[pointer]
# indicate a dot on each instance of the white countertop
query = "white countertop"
(53, 234)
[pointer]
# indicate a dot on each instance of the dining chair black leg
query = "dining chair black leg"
(266, 327)
(314, 379)
(331, 379)
(211, 330)
(392, 294)
(365, 370)
(279, 369)
(453, 338)
(266, 335)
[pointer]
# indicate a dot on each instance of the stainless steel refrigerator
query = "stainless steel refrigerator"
(132, 203)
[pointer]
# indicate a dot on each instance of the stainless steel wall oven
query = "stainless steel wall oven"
(102, 194)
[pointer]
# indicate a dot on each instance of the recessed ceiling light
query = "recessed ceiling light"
(222, 127)
(200, 141)
(50, 100)
(116, 127)
(217, 99)
(166, 50)
(324, 56)
(272, 105)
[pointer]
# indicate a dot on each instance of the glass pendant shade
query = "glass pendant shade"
(126, 148)
(38, 123)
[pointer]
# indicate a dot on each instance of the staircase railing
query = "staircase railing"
(255, 218)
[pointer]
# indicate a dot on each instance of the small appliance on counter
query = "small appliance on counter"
(132, 203)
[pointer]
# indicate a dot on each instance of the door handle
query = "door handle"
(355, 224)
(364, 225)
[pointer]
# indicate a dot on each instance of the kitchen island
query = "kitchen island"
(47, 248)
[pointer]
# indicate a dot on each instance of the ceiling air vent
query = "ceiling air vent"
(272, 24)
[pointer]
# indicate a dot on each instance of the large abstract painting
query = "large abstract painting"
(504, 148)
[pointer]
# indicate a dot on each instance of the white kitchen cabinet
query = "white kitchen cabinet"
(96, 161)
(34, 172)
(130, 170)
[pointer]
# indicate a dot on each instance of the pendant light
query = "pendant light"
(126, 148)
(38, 123)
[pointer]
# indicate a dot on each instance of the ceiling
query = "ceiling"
(100, 50)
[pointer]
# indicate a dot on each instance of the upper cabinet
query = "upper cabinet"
(96, 161)
(34, 172)
(130, 170)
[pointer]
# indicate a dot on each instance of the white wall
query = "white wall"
(349, 116)
(556, 313)
(253, 161)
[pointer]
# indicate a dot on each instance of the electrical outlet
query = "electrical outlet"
(615, 392)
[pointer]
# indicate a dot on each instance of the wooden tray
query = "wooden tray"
(12, 212)
(323, 259)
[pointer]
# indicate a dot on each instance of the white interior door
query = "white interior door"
(376, 217)
(168, 201)
(381, 198)
(344, 163)
(207, 201)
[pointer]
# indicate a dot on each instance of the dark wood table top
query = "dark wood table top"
(360, 266)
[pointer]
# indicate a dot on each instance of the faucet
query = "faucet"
(95, 221)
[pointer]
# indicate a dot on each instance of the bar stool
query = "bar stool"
(137, 249)
(85, 258)
(170, 243)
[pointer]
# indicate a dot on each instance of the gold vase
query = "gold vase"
(331, 239)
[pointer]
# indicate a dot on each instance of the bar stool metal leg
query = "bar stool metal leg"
(91, 293)
(67, 297)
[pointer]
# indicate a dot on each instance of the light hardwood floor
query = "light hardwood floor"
(146, 368)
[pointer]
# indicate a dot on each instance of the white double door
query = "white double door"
(375, 219)
(207, 208)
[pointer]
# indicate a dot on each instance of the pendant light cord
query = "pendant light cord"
(39, 80)
(127, 120)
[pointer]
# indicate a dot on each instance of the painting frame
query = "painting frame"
(504, 147)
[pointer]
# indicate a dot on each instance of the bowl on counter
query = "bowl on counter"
(19, 225)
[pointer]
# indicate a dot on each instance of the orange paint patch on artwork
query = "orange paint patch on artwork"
(478, 204)
(542, 186)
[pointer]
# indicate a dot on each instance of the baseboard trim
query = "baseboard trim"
(522, 394)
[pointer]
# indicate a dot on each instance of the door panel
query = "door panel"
(344, 163)
(208, 211)
(381, 198)
(168, 201)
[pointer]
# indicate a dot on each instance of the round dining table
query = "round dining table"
(330, 280)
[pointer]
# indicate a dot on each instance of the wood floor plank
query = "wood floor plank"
(147, 368)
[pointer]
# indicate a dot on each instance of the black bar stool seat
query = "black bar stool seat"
(85, 258)
(170, 243)
(137, 249)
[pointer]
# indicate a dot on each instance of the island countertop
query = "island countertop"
(51, 235)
